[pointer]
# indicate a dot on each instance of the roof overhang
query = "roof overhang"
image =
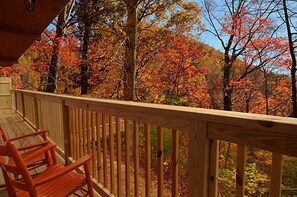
(19, 27)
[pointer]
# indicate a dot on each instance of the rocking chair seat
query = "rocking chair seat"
(63, 186)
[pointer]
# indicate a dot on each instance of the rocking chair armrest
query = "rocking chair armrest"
(80, 162)
(33, 154)
(39, 144)
(42, 133)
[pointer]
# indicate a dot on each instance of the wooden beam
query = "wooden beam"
(281, 142)
(19, 32)
(6, 62)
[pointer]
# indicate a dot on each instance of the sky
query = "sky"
(210, 40)
(205, 37)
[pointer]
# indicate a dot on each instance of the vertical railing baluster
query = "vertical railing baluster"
(23, 106)
(66, 130)
(80, 132)
(136, 157)
(88, 131)
(240, 170)
(160, 157)
(214, 165)
(94, 150)
(147, 158)
(36, 113)
(104, 144)
(119, 158)
(16, 100)
(276, 175)
(175, 140)
(76, 134)
(75, 137)
(99, 127)
(72, 130)
(127, 157)
(84, 130)
(111, 152)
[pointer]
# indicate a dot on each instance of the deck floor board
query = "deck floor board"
(16, 126)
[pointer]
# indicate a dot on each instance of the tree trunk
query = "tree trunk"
(227, 89)
(294, 91)
(53, 67)
(293, 57)
(247, 102)
(266, 93)
(130, 54)
(84, 64)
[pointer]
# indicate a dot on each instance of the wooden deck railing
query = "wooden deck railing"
(118, 136)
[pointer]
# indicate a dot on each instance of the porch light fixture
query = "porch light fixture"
(29, 5)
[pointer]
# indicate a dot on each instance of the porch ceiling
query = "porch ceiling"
(20, 27)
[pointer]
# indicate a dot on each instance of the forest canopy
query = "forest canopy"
(149, 51)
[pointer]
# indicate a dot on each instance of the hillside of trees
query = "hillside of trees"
(149, 51)
(182, 71)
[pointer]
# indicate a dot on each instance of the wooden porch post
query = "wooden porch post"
(198, 162)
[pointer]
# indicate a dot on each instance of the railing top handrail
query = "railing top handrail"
(271, 133)
(211, 115)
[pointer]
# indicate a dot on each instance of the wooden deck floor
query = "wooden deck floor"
(15, 126)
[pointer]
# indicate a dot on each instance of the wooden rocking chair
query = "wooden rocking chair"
(36, 162)
(56, 181)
